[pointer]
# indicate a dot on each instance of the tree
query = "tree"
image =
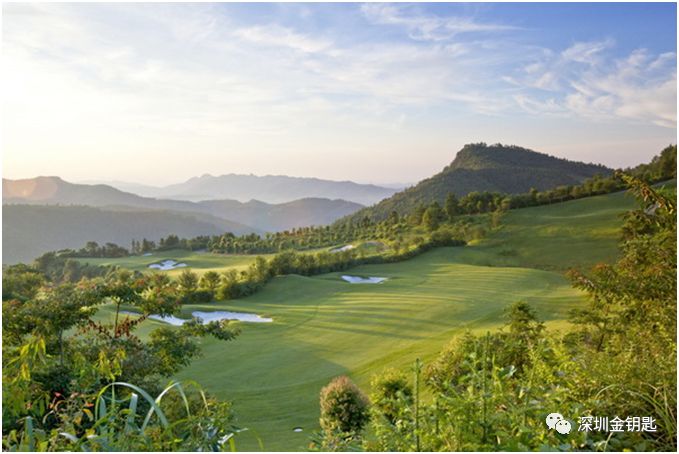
(416, 215)
(188, 282)
(506, 204)
(390, 391)
(452, 206)
(210, 280)
(432, 217)
(533, 195)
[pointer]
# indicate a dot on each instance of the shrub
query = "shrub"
(389, 390)
(344, 407)
(197, 297)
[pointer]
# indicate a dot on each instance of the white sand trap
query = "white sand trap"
(167, 265)
(364, 280)
(148, 254)
(342, 249)
(225, 315)
(208, 317)
(297, 429)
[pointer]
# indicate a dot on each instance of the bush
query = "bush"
(389, 391)
(198, 296)
(344, 407)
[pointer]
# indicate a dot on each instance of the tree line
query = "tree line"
(395, 226)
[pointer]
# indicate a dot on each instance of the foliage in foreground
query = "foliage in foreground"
(56, 355)
(124, 417)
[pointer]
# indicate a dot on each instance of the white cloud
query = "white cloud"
(586, 52)
(164, 77)
(275, 35)
(587, 81)
(426, 26)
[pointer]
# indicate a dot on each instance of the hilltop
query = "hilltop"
(492, 168)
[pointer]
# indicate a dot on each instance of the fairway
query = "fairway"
(574, 234)
(200, 262)
(324, 327)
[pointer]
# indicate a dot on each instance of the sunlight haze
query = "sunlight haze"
(381, 93)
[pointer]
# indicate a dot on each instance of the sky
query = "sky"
(381, 93)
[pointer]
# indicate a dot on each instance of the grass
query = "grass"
(578, 233)
(324, 327)
(200, 262)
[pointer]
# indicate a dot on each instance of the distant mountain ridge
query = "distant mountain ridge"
(267, 188)
(31, 230)
(38, 216)
(495, 168)
(255, 214)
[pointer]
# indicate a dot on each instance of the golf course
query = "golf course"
(324, 326)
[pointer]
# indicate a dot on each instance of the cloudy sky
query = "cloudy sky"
(158, 93)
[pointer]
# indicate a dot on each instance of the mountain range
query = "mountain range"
(48, 213)
(31, 230)
(253, 215)
(267, 188)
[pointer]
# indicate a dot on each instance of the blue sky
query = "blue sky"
(157, 93)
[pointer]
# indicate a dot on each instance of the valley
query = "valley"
(324, 327)
(339, 227)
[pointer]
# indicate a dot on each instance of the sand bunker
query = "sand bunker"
(297, 429)
(364, 280)
(208, 317)
(342, 249)
(148, 254)
(167, 265)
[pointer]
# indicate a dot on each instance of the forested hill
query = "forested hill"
(258, 215)
(493, 168)
(31, 230)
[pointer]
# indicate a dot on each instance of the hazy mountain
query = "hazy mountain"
(55, 191)
(495, 168)
(259, 215)
(55, 200)
(30, 230)
(269, 188)
(283, 216)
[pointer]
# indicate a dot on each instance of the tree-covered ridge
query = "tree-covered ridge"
(395, 230)
(498, 172)
(483, 168)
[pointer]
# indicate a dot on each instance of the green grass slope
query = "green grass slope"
(199, 262)
(578, 233)
(324, 327)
